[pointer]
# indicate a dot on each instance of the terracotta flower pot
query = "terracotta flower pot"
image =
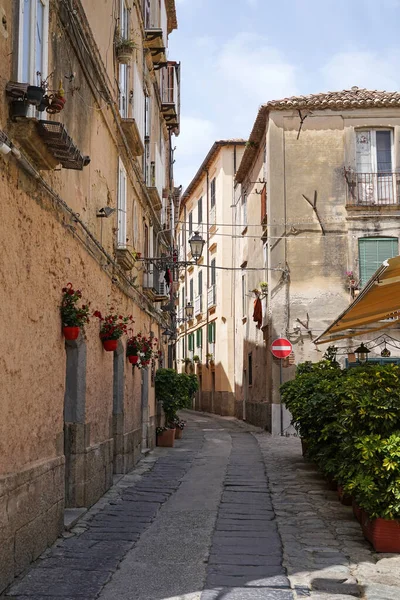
(384, 534)
(133, 359)
(166, 438)
(110, 345)
(71, 333)
(178, 433)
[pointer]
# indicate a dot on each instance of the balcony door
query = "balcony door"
(374, 158)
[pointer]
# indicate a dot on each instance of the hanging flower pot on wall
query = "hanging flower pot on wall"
(133, 359)
(110, 345)
(71, 333)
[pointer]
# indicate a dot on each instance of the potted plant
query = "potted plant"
(196, 358)
(140, 350)
(73, 317)
(19, 108)
(210, 359)
(179, 427)
(263, 287)
(112, 328)
(124, 48)
(165, 437)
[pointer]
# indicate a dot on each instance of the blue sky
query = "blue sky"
(238, 54)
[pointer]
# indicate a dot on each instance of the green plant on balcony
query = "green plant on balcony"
(124, 47)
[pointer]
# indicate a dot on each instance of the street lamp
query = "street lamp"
(189, 309)
(166, 335)
(362, 352)
(196, 244)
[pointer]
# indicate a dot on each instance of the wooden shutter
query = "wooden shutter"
(211, 333)
(199, 338)
(372, 253)
(263, 203)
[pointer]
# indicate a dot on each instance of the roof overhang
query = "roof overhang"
(377, 306)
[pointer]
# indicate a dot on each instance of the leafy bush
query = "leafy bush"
(166, 384)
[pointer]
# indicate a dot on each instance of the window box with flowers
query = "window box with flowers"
(73, 317)
(112, 328)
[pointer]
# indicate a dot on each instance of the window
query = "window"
(200, 211)
(375, 179)
(146, 13)
(263, 203)
(191, 290)
(123, 69)
(33, 40)
(213, 272)
(121, 240)
(244, 307)
(199, 338)
(211, 333)
(372, 252)
(200, 283)
(191, 342)
(190, 223)
(146, 241)
(183, 297)
(250, 369)
(212, 193)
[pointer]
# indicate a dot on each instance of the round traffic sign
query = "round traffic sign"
(281, 348)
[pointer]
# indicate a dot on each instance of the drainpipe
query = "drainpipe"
(186, 277)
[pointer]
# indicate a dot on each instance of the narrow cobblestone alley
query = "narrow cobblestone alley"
(230, 513)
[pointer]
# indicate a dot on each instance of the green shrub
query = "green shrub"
(166, 384)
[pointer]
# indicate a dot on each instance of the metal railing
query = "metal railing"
(212, 296)
(198, 305)
(372, 189)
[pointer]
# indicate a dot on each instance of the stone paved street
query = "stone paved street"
(230, 513)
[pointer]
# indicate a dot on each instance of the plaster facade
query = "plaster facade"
(209, 284)
(321, 205)
(72, 414)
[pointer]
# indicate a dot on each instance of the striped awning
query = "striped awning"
(376, 307)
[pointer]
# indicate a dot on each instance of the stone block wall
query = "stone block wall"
(31, 515)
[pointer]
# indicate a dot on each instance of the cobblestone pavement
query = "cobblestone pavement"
(230, 513)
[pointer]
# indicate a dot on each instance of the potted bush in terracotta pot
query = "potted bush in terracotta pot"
(112, 328)
(73, 316)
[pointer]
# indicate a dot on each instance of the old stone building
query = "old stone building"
(89, 104)
(205, 341)
(319, 180)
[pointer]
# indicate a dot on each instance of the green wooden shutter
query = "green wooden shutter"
(211, 333)
(199, 338)
(191, 342)
(372, 253)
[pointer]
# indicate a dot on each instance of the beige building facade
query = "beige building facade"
(204, 343)
(320, 175)
(86, 189)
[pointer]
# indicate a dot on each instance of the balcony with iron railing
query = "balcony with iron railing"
(372, 189)
(212, 296)
(170, 95)
(198, 305)
(154, 285)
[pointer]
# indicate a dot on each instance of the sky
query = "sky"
(238, 54)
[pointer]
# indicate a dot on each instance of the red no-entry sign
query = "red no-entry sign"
(281, 348)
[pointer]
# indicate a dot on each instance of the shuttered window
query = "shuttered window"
(121, 239)
(191, 342)
(211, 333)
(199, 338)
(372, 253)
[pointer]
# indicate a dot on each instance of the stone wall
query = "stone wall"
(31, 515)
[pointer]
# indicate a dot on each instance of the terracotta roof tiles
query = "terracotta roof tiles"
(353, 98)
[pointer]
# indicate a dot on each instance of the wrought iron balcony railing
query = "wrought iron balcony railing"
(372, 189)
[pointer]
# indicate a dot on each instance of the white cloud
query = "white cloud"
(363, 69)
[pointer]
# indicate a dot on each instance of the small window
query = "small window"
(200, 282)
(190, 224)
(212, 193)
(372, 253)
(191, 342)
(250, 369)
(121, 240)
(211, 333)
(200, 211)
(199, 338)
(213, 272)
(191, 290)
(183, 297)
